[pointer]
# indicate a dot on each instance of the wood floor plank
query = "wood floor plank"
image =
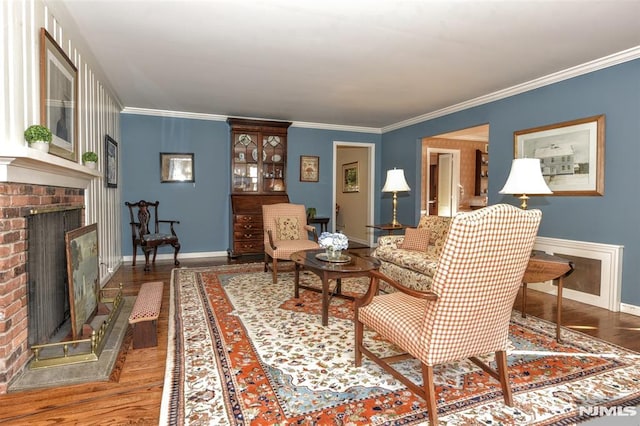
(135, 398)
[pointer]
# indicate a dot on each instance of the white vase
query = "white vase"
(40, 146)
(90, 164)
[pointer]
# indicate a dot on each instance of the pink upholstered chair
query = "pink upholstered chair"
(285, 232)
(468, 310)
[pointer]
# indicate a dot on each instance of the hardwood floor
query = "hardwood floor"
(136, 397)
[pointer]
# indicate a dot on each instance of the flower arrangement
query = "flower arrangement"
(335, 241)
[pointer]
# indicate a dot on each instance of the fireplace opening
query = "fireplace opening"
(47, 286)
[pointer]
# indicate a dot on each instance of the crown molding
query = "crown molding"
(338, 127)
(174, 114)
(215, 117)
(595, 65)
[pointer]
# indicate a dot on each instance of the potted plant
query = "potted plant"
(311, 212)
(90, 158)
(38, 137)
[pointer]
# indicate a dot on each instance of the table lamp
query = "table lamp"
(525, 179)
(395, 183)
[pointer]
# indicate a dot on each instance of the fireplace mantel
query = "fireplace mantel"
(21, 164)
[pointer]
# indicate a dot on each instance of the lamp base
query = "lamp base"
(394, 221)
(524, 199)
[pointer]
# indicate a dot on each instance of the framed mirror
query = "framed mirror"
(176, 167)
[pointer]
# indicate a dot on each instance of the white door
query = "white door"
(445, 185)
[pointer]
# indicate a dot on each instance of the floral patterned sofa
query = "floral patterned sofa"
(413, 268)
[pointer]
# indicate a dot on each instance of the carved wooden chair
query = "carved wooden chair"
(145, 231)
(468, 310)
(285, 232)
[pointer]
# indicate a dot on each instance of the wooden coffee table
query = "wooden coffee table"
(357, 266)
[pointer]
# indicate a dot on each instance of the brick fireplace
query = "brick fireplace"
(17, 201)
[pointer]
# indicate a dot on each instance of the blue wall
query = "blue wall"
(203, 207)
(303, 141)
(607, 219)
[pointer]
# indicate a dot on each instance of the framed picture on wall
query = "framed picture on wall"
(571, 154)
(82, 269)
(58, 97)
(350, 178)
(110, 162)
(309, 168)
(176, 167)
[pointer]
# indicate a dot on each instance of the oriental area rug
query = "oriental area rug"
(243, 350)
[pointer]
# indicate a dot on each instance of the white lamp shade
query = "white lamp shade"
(395, 181)
(525, 178)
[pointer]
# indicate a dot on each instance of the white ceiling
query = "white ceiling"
(350, 62)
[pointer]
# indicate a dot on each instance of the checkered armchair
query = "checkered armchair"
(467, 311)
(285, 232)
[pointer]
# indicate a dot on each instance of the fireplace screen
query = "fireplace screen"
(48, 305)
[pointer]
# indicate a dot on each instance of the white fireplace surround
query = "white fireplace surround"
(21, 164)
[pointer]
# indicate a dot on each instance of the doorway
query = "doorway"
(444, 180)
(354, 208)
(450, 171)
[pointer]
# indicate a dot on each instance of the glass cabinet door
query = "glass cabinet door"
(258, 156)
(274, 152)
(245, 162)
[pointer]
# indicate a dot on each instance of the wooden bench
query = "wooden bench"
(144, 315)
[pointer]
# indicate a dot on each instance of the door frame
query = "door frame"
(371, 156)
(456, 175)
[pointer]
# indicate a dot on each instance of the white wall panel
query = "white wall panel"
(98, 112)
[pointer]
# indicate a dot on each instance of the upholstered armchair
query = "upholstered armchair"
(468, 309)
(285, 232)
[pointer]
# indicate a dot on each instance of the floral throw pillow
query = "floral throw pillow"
(415, 239)
(288, 228)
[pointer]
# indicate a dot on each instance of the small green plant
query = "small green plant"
(89, 156)
(37, 133)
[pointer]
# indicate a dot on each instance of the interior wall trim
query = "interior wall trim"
(630, 309)
(216, 117)
(595, 65)
(578, 70)
(610, 257)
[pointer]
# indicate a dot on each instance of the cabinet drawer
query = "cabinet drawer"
(248, 218)
(249, 234)
(248, 227)
(241, 247)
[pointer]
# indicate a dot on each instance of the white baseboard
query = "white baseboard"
(169, 256)
(110, 271)
(358, 240)
(630, 309)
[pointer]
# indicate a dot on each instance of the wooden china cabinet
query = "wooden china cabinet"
(258, 176)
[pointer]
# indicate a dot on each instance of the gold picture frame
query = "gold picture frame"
(84, 275)
(309, 168)
(58, 97)
(571, 154)
(350, 177)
